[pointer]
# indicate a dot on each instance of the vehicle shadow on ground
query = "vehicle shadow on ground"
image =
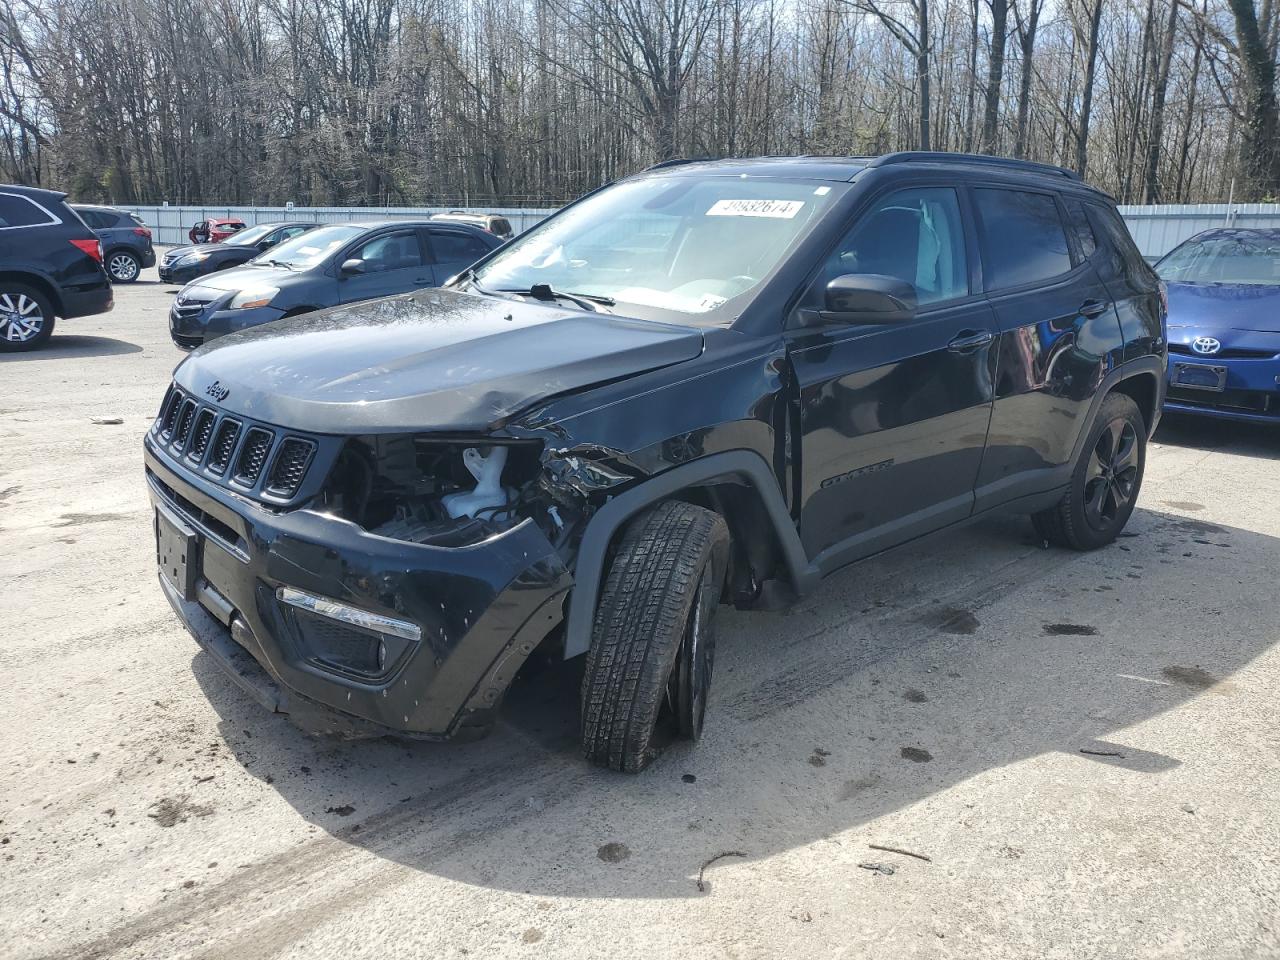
(73, 346)
(1203, 433)
(900, 678)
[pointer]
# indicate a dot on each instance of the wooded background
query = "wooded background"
(508, 101)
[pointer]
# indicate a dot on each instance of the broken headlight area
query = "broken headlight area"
(432, 490)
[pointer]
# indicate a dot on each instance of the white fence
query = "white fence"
(169, 225)
(1157, 229)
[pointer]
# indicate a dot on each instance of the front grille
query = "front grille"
(224, 446)
(1231, 353)
(268, 463)
(289, 466)
(253, 455)
(200, 435)
(190, 307)
(186, 342)
(1247, 401)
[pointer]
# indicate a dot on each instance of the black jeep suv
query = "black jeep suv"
(708, 383)
(50, 266)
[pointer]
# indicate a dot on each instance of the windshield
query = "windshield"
(247, 238)
(668, 248)
(1226, 258)
(310, 248)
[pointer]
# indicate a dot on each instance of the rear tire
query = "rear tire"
(1105, 482)
(123, 266)
(653, 641)
(26, 317)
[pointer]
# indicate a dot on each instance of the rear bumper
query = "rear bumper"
(481, 610)
(148, 257)
(1252, 393)
(85, 300)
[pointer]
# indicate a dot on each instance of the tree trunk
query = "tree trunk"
(922, 71)
(1259, 160)
(1086, 105)
(1151, 193)
(995, 73)
(1027, 44)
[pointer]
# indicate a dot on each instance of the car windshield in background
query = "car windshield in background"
(668, 248)
(308, 249)
(247, 238)
(1224, 259)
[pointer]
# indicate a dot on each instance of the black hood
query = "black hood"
(435, 360)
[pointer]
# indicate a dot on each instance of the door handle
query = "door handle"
(969, 340)
(1093, 308)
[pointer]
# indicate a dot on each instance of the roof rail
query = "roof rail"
(675, 162)
(938, 156)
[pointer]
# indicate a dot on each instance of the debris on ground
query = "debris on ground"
(1102, 753)
(345, 810)
(878, 868)
(702, 887)
(905, 853)
(107, 421)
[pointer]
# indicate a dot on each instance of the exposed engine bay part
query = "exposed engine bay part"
(489, 496)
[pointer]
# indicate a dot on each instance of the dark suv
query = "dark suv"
(708, 383)
(126, 241)
(50, 266)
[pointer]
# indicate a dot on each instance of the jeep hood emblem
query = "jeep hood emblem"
(217, 391)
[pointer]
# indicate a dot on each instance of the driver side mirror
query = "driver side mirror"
(864, 298)
(353, 267)
(266, 244)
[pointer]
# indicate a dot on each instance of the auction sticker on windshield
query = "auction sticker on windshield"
(775, 209)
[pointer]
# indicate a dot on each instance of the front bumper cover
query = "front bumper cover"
(482, 610)
(1251, 394)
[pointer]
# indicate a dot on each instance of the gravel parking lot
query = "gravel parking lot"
(1083, 750)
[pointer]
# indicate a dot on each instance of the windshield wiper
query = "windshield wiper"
(543, 291)
(540, 291)
(280, 263)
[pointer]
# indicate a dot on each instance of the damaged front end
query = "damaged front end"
(399, 590)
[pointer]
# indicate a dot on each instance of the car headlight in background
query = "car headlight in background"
(196, 257)
(256, 297)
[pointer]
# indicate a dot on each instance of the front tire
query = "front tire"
(653, 641)
(1105, 482)
(123, 266)
(26, 317)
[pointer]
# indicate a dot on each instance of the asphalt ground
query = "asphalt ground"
(1084, 746)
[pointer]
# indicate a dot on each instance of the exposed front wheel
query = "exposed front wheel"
(653, 642)
(1105, 482)
(26, 317)
(123, 266)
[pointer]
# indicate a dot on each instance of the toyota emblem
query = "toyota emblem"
(1205, 345)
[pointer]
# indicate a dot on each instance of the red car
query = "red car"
(215, 230)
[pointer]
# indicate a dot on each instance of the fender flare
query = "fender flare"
(741, 465)
(1152, 364)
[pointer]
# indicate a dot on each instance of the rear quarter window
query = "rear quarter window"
(1023, 239)
(1081, 229)
(1121, 257)
(18, 211)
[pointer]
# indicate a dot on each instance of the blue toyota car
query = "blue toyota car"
(1224, 325)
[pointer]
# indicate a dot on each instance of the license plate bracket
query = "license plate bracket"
(1200, 376)
(177, 553)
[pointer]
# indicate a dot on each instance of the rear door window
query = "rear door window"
(18, 211)
(451, 247)
(1023, 239)
(391, 251)
(1122, 256)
